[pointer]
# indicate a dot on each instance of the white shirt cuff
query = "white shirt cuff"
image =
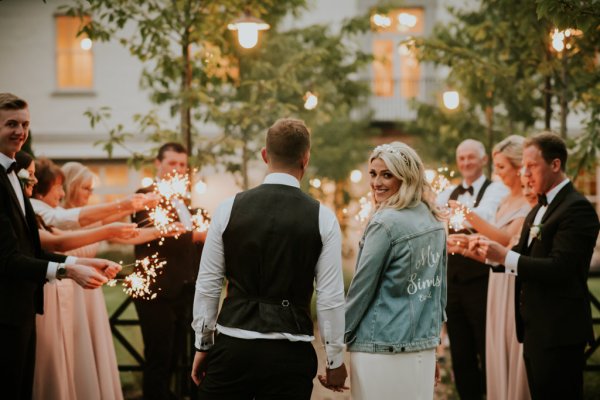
(51, 271)
(70, 260)
(511, 263)
(52, 266)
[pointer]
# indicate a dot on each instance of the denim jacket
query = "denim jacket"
(397, 299)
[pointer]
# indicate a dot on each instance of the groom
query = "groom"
(551, 263)
(272, 243)
(24, 266)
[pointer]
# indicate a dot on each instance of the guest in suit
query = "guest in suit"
(551, 263)
(467, 278)
(273, 243)
(24, 266)
(165, 319)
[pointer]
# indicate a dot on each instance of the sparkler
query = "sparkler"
(438, 180)
(366, 206)
(137, 284)
(458, 218)
(174, 186)
(201, 220)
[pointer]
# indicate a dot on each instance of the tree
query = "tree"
(184, 45)
(502, 64)
(195, 70)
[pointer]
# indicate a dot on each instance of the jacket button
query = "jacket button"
(391, 349)
(403, 348)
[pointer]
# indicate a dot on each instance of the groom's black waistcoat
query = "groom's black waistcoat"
(271, 247)
(462, 269)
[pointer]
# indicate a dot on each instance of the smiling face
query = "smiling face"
(55, 194)
(505, 170)
(470, 161)
(83, 191)
(14, 128)
(32, 180)
(383, 183)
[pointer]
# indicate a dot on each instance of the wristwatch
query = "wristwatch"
(61, 271)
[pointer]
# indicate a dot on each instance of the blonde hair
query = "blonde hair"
(406, 165)
(512, 148)
(75, 175)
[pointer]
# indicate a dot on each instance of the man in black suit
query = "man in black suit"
(165, 318)
(24, 266)
(551, 262)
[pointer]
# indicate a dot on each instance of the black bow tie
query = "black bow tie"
(542, 200)
(463, 190)
(12, 167)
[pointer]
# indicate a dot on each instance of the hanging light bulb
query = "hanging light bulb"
(310, 101)
(247, 30)
(451, 99)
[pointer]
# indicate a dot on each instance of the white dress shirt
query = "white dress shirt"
(329, 283)
(6, 162)
(511, 261)
(61, 218)
(487, 207)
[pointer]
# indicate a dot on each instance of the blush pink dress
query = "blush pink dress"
(505, 367)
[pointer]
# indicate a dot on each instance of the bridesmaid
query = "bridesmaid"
(506, 377)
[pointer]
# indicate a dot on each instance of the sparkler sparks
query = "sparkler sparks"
(438, 180)
(458, 218)
(174, 186)
(201, 220)
(138, 284)
(366, 206)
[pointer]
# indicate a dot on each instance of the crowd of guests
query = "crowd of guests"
(517, 320)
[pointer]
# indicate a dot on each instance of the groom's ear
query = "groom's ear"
(304, 161)
(263, 153)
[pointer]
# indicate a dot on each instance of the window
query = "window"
(74, 56)
(383, 77)
(396, 71)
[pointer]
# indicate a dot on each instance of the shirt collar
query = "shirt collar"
(280, 178)
(476, 185)
(551, 194)
(5, 161)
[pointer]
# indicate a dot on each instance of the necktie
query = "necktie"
(542, 200)
(463, 190)
(12, 167)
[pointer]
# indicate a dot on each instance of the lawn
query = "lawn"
(131, 381)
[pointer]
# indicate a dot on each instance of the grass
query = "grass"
(131, 381)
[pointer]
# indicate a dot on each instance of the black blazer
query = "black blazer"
(181, 254)
(23, 263)
(552, 307)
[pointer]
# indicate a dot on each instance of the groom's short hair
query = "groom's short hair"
(288, 141)
(551, 145)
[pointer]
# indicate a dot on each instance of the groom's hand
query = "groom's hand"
(199, 367)
(335, 378)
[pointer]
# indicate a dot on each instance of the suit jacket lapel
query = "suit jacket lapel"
(557, 200)
(522, 246)
(13, 195)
